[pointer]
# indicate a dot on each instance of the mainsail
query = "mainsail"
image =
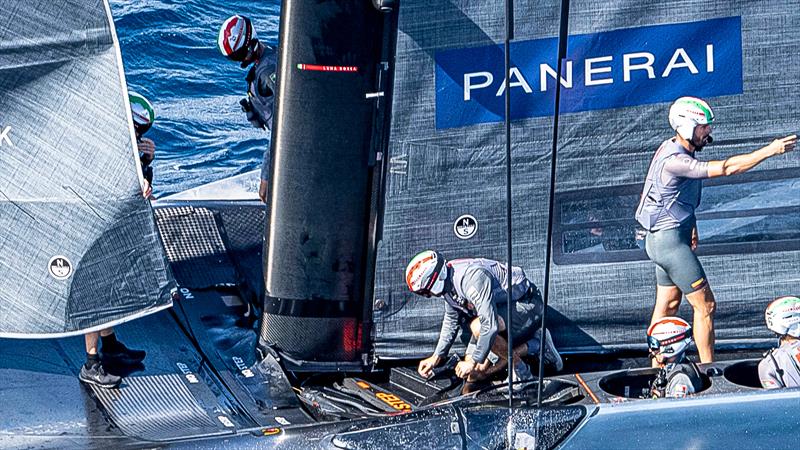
(626, 61)
(79, 249)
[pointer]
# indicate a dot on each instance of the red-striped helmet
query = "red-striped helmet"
(669, 337)
(426, 273)
(237, 38)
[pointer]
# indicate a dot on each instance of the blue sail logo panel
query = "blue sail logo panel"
(611, 69)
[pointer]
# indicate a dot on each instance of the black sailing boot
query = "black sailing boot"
(115, 351)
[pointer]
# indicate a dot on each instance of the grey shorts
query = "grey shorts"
(676, 263)
(526, 320)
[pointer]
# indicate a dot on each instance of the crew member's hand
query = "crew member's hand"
(148, 149)
(783, 145)
(426, 366)
(146, 189)
(262, 191)
(464, 368)
(695, 239)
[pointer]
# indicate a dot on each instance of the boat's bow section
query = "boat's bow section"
(79, 248)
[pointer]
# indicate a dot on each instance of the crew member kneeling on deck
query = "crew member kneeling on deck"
(678, 376)
(667, 211)
(780, 367)
(474, 288)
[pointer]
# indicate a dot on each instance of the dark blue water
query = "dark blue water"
(169, 48)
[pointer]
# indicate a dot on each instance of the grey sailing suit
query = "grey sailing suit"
(781, 367)
(677, 380)
(671, 193)
(478, 290)
(261, 98)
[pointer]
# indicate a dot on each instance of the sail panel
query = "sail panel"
(80, 249)
(446, 158)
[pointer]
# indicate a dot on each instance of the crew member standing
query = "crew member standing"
(667, 211)
(238, 42)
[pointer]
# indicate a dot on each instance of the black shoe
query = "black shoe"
(98, 377)
(120, 353)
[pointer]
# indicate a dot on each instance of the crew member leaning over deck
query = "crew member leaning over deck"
(474, 289)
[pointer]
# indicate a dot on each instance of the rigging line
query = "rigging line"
(562, 54)
(69, 188)
(509, 16)
(18, 206)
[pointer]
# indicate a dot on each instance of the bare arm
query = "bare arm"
(742, 163)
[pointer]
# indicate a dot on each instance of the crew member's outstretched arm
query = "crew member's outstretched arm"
(743, 163)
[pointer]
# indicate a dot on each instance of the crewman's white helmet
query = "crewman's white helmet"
(669, 337)
(783, 316)
(142, 112)
(688, 112)
(237, 38)
(426, 273)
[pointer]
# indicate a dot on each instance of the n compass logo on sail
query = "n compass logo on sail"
(5, 136)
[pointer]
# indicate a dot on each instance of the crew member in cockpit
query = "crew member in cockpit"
(238, 42)
(678, 376)
(474, 288)
(780, 367)
(667, 211)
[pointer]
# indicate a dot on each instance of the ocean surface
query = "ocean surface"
(169, 49)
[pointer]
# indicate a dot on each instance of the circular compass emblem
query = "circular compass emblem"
(465, 226)
(60, 267)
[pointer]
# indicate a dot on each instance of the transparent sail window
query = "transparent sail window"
(751, 213)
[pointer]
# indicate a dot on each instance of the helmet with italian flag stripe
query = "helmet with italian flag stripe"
(142, 112)
(688, 112)
(426, 273)
(783, 316)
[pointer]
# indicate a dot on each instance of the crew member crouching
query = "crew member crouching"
(668, 339)
(474, 288)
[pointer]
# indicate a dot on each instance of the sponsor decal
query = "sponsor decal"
(5, 136)
(282, 420)
(610, 69)
(393, 401)
(698, 282)
(225, 421)
(187, 294)
(465, 226)
(243, 369)
(320, 68)
(59, 267)
(362, 384)
(190, 377)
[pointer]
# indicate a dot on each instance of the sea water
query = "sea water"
(170, 54)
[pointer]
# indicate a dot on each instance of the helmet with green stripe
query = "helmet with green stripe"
(783, 316)
(688, 112)
(142, 112)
